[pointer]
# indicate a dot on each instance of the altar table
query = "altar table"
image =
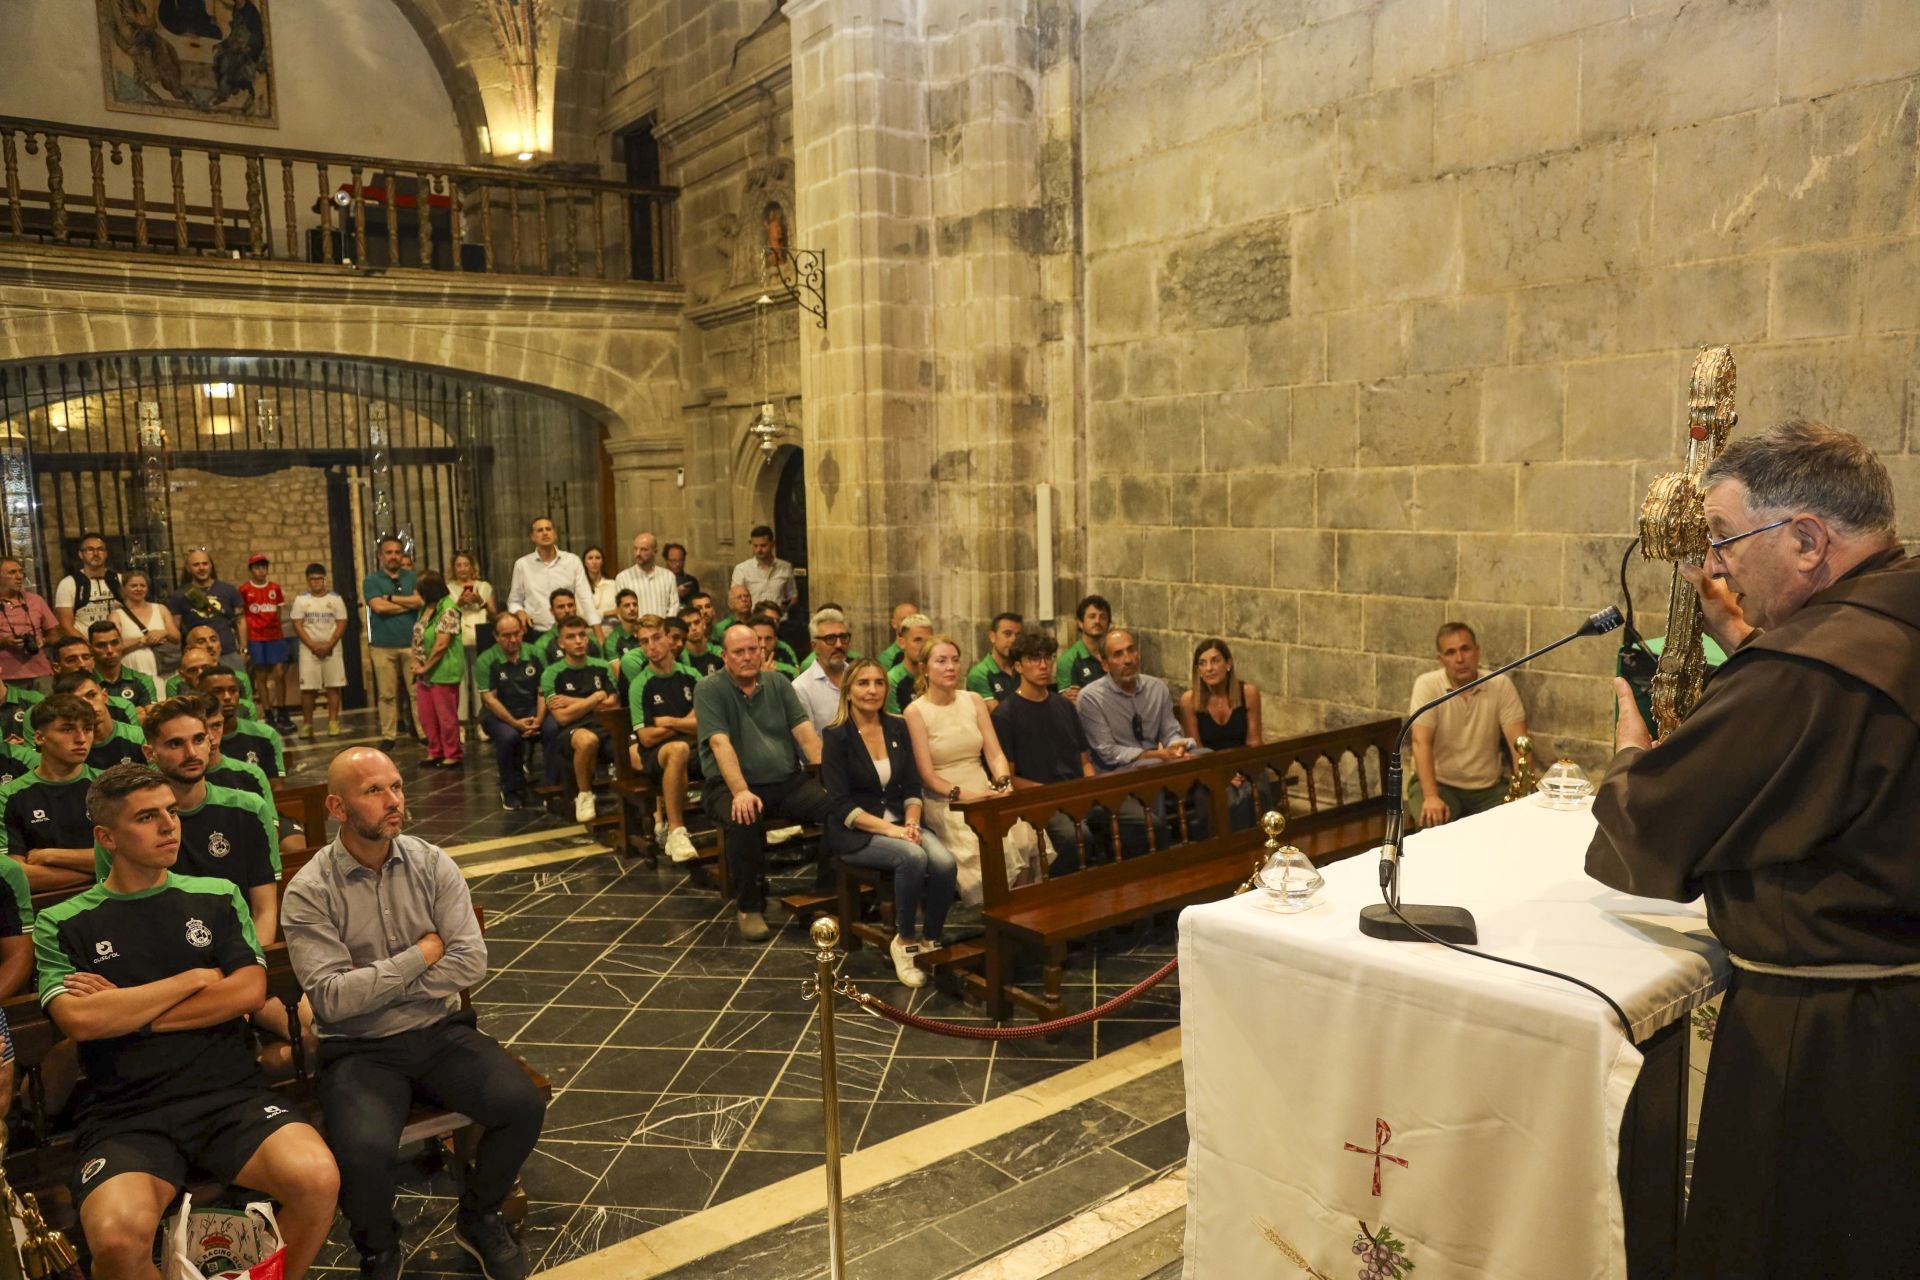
(1357, 1105)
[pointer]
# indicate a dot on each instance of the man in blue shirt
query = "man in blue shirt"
(392, 605)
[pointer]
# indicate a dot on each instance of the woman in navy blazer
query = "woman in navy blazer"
(867, 769)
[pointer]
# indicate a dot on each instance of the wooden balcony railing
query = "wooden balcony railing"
(229, 200)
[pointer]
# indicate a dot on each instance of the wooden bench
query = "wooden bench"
(1328, 785)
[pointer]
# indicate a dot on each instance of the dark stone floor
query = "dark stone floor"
(683, 1060)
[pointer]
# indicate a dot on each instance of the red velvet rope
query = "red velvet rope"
(967, 1031)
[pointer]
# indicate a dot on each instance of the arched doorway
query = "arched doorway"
(790, 524)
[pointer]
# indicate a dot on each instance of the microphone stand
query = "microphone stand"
(1391, 921)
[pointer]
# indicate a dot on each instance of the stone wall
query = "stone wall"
(1391, 305)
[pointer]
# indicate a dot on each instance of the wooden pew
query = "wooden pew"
(1329, 784)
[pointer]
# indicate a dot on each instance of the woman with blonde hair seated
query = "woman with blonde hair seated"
(952, 736)
(867, 770)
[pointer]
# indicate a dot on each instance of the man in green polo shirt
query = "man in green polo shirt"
(891, 655)
(994, 677)
(392, 605)
(755, 744)
(508, 678)
(1079, 664)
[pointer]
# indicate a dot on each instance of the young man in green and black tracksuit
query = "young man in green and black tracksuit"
(660, 701)
(44, 810)
(1083, 662)
(250, 740)
(508, 678)
(576, 689)
(118, 679)
(114, 742)
(16, 929)
(152, 974)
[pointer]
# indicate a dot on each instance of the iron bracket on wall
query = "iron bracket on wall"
(804, 274)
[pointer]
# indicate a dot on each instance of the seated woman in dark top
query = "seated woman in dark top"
(1220, 710)
(867, 769)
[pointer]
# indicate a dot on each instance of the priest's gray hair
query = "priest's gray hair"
(824, 617)
(1802, 465)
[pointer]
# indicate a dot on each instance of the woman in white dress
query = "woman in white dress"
(146, 627)
(605, 592)
(474, 596)
(952, 734)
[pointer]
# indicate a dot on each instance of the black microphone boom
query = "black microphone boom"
(1392, 921)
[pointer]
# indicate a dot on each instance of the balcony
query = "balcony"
(352, 215)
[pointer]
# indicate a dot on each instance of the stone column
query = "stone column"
(917, 168)
(647, 493)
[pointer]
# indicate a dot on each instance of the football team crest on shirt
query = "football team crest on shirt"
(103, 950)
(92, 1171)
(218, 845)
(198, 935)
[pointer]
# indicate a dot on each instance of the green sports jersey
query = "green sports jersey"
(704, 663)
(16, 900)
(652, 695)
(566, 680)
(240, 775)
(987, 679)
(1076, 667)
(13, 713)
(175, 687)
(514, 681)
(890, 656)
(232, 836)
(16, 760)
(118, 747)
(42, 814)
(132, 939)
(257, 744)
(135, 687)
(900, 682)
(548, 650)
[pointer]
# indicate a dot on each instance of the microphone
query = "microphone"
(1390, 920)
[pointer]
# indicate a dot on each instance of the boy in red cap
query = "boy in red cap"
(266, 641)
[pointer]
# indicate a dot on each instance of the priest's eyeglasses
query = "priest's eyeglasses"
(1720, 545)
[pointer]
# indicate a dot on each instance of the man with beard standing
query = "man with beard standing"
(1790, 798)
(204, 600)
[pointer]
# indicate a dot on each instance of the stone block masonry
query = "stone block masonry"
(1439, 329)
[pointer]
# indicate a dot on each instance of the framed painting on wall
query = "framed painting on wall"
(189, 59)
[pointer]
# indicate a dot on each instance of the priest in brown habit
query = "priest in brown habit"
(1790, 798)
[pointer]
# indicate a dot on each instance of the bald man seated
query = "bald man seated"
(382, 934)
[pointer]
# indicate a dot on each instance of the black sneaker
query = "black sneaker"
(384, 1265)
(490, 1240)
(511, 803)
(386, 744)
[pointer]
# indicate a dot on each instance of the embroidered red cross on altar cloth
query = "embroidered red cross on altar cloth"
(1382, 1134)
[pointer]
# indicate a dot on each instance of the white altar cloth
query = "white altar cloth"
(1492, 1096)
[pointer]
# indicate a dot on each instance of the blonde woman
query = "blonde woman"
(868, 772)
(147, 629)
(952, 735)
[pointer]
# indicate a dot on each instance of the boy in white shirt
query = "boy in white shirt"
(320, 621)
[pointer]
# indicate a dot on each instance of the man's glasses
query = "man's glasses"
(1720, 545)
(842, 638)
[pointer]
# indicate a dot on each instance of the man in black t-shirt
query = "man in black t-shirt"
(45, 809)
(254, 741)
(113, 742)
(508, 678)
(224, 834)
(576, 689)
(660, 702)
(1041, 734)
(115, 676)
(152, 975)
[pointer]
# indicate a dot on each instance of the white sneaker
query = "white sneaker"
(780, 835)
(909, 973)
(680, 845)
(583, 810)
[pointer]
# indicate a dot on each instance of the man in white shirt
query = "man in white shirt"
(818, 687)
(1457, 771)
(656, 586)
(542, 571)
(767, 577)
(90, 596)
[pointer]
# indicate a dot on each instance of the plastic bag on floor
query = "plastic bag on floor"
(225, 1244)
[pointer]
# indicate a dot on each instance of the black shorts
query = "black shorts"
(650, 760)
(561, 736)
(215, 1132)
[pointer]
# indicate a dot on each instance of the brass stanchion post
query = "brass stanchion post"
(826, 958)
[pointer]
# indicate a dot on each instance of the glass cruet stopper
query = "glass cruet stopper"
(1287, 875)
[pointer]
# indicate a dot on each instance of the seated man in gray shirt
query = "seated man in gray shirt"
(382, 934)
(1129, 723)
(755, 745)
